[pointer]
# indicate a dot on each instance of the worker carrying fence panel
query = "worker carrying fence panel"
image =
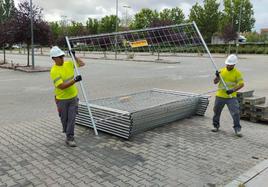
(62, 75)
(234, 81)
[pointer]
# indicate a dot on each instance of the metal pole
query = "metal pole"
(32, 32)
(232, 13)
(126, 15)
(126, 7)
(125, 32)
(239, 22)
(82, 87)
(212, 60)
(116, 29)
(4, 51)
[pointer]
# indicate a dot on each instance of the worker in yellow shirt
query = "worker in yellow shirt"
(62, 75)
(234, 81)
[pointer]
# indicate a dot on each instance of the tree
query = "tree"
(197, 15)
(174, 15)
(43, 33)
(165, 14)
(160, 22)
(7, 9)
(55, 31)
(5, 37)
(256, 37)
(144, 18)
(108, 24)
(20, 25)
(76, 29)
(229, 34)
(92, 26)
(2, 11)
(231, 13)
(207, 18)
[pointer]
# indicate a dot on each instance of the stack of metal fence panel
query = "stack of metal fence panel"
(128, 115)
(202, 106)
(253, 108)
(108, 120)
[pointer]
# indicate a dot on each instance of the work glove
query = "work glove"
(73, 52)
(230, 91)
(78, 78)
(217, 74)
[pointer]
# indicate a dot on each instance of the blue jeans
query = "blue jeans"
(233, 106)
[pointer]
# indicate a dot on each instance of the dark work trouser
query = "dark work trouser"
(67, 111)
(233, 106)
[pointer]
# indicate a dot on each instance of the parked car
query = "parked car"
(16, 46)
(242, 39)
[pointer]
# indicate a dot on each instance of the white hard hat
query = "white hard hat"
(231, 60)
(56, 52)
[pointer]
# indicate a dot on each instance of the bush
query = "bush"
(212, 50)
(260, 50)
(243, 48)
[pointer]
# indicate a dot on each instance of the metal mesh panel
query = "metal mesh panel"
(171, 40)
(140, 101)
(153, 106)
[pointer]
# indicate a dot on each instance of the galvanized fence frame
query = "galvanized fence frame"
(172, 40)
(183, 36)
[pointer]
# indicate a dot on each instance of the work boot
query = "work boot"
(238, 133)
(216, 129)
(70, 142)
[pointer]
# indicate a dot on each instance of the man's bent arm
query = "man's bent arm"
(216, 80)
(67, 84)
(238, 87)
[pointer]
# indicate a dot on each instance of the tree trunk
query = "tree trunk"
(229, 49)
(28, 55)
(4, 51)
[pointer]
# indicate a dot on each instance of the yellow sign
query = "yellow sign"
(140, 43)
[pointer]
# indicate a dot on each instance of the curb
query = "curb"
(243, 179)
(27, 69)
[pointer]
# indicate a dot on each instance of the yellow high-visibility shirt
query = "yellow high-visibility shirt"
(61, 74)
(231, 78)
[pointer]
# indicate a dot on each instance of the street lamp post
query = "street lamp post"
(239, 24)
(126, 7)
(32, 33)
(116, 28)
(232, 15)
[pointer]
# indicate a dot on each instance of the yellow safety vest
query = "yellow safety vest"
(231, 78)
(61, 74)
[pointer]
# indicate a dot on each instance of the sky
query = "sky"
(80, 10)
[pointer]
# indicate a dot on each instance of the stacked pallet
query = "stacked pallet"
(253, 108)
(127, 115)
